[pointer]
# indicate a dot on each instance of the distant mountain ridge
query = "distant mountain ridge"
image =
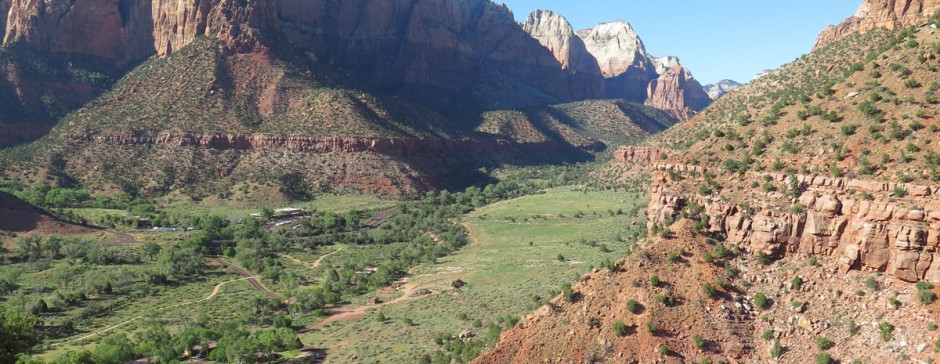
(617, 52)
(720, 88)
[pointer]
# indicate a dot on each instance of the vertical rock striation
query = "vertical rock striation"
(555, 33)
(677, 93)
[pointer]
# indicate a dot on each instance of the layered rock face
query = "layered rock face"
(857, 222)
(555, 33)
(622, 58)
(719, 89)
(677, 93)
(449, 46)
(632, 74)
(891, 14)
(132, 30)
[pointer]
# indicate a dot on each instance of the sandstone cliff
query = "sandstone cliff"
(450, 47)
(622, 58)
(677, 93)
(555, 33)
(129, 31)
(857, 222)
(630, 72)
(890, 14)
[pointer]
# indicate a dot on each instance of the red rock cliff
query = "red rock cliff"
(677, 93)
(891, 14)
(857, 222)
(127, 31)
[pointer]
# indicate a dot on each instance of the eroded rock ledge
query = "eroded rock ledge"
(318, 144)
(862, 223)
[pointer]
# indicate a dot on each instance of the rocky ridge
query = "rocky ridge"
(859, 223)
(719, 89)
(890, 14)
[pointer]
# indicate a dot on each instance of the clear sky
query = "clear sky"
(718, 39)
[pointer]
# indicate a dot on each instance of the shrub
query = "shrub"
(895, 303)
(568, 293)
(633, 306)
(885, 329)
(849, 129)
(663, 349)
(666, 300)
(620, 329)
(651, 327)
(823, 343)
(654, 281)
(709, 290)
(823, 358)
(698, 340)
(761, 301)
(776, 350)
(768, 334)
(673, 257)
(872, 284)
(763, 259)
(796, 283)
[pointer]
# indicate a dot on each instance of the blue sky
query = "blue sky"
(716, 39)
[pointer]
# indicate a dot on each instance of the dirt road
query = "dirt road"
(252, 280)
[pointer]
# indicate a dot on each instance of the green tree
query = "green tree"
(156, 342)
(150, 249)
(114, 349)
(17, 335)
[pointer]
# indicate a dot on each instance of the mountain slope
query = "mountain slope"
(805, 200)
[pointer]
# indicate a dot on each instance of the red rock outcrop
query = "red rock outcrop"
(891, 14)
(677, 93)
(128, 31)
(310, 144)
(858, 222)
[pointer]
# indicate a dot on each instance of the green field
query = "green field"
(511, 268)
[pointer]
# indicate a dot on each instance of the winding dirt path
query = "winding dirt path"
(252, 280)
(212, 294)
(473, 238)
(317, 262)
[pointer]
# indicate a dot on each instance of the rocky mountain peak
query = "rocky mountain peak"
(554, 32)
(616, 46)
(720, 88)
(891, 14)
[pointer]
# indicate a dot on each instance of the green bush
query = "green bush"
(761, 301)
(633, 306)
(823, 358)
(620, 329)
(885, 330)
(823, 343)
(654, 281)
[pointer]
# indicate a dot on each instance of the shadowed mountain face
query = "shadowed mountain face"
(19, 216)
(387, 97)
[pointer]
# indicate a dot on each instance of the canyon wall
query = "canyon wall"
(890, 14)
(865, 225)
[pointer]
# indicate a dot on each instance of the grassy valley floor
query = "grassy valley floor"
(522, 251)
